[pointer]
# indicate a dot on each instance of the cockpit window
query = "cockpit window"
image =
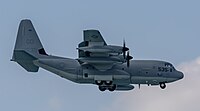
(168, 65)
(166, 68)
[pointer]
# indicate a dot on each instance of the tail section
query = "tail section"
(27, 47)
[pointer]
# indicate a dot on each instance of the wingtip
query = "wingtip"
(91, 30)
(25, 20)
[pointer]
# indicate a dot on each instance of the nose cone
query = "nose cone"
(180, 75)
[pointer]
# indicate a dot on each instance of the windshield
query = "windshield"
(169, 65)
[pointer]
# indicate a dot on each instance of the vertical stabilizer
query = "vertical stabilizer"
(27, 47)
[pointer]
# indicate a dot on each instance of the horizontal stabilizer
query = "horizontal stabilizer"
(25, 60)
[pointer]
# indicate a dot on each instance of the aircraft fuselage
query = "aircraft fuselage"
(108, 66)
(150, 72)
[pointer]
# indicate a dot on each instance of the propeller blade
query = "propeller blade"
(128, 63)
(124, 49)
(124, 52)
(124, 44)
(128, 58)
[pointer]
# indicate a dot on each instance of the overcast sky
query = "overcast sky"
(153, 29)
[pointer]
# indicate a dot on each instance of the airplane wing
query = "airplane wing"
(94, 51)
(94, 38)
(101, 63)
(91, 39)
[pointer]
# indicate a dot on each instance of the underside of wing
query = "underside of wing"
(100, 63)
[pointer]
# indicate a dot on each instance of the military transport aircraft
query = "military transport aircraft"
(108, 66)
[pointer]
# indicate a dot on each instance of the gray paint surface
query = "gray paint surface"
(119, 75)
(148, 26)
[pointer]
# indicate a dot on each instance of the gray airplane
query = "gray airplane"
(107, 66)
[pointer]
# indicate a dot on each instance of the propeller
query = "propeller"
(124, 49)
(128, 58)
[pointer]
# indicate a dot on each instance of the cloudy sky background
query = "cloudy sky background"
(163, 30)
